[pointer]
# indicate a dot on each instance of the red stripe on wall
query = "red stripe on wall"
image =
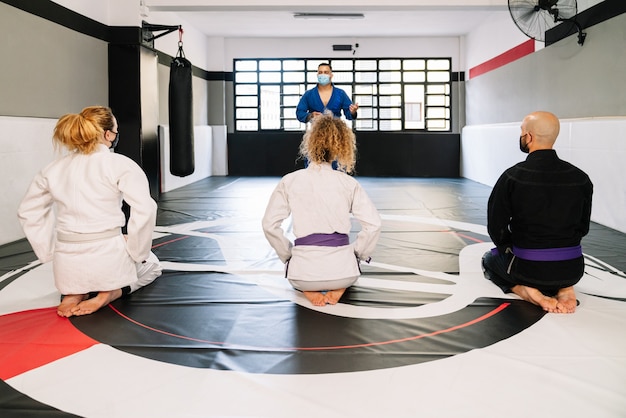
(511, 55)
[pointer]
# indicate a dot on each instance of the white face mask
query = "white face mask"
(323, 79)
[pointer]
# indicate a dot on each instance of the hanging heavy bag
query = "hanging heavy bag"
(181, 116)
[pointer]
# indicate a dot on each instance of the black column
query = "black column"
(133, 97)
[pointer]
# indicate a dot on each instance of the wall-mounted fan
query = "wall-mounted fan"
(535, 17)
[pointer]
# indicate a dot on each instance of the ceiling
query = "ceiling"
(391, 18)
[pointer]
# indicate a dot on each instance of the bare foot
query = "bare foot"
(89, 306)
(532, 295)
(316, 298)
(566, 300)
(333, 296)
(68, 303)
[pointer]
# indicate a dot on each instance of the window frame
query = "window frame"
(390, 108)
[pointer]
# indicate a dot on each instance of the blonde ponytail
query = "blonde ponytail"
(82, 132)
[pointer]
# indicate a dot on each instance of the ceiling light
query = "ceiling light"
(337, 16)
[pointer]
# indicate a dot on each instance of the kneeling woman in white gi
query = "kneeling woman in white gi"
(72, 215)
(322, 262)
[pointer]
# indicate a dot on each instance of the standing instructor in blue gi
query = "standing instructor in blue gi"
(325, 96)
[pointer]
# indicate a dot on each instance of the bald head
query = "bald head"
(544, 128)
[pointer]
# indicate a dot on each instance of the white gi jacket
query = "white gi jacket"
(82, 194)
(320, 200)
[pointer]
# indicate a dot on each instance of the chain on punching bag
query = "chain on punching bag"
(181, 114)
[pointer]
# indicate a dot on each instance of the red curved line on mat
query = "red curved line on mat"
(467, 237)
(169, 242)
(495, 311)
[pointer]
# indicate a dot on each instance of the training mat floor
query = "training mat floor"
(222, 334)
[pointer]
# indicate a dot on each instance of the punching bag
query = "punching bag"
(181, 115)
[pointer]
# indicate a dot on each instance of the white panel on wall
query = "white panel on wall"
(595, 145)
(598, 146)
(203, 160)
(25, 148)
(220, 150)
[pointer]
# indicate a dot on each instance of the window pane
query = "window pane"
(291, 89)
(312, 65)
(245, 89)
(414, 65)
(341, 65)
(269, 77)
(390, 89)
(311, 77)
(292, 125)
(415, 77)
(291, 100)
(293, 77)
(438, 76)
(245, 65)
(270, 107)
(266, 65)
(390, 101)
(390, 113)
(362, 77)
(247, 101)
(366, 124)
(364, 100)
(390, 125)
(436, 112)
(414, 124)
(365, 112)
(365, 65)
(438, 125)
(413, 107)
(413, 116)
(247, 125)
(270, 123)
(438, 64)
(389, 65)
(365, 89)
(414, 93)
(437, 89)
(293, 65)
(341, 77)
(438, 100)
(390, 76)
(247, 113)
(245, 77)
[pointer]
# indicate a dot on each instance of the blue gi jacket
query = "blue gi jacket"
(312, 102)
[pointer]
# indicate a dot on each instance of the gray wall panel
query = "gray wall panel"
(570, 80)
(48, 70)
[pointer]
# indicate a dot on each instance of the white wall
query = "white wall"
(495, 36)
(499, 33)
(322, 48)
(595, 145)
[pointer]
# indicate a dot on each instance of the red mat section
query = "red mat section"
(30, 339)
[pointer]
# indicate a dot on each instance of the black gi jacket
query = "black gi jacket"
(543, 202)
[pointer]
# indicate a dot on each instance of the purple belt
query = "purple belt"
(546, 254)
(324, 240)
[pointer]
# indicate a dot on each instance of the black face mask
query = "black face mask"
(523, 146)
(115, 141)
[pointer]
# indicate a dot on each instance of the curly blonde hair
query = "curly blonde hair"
(81, 132)
(330, 139)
